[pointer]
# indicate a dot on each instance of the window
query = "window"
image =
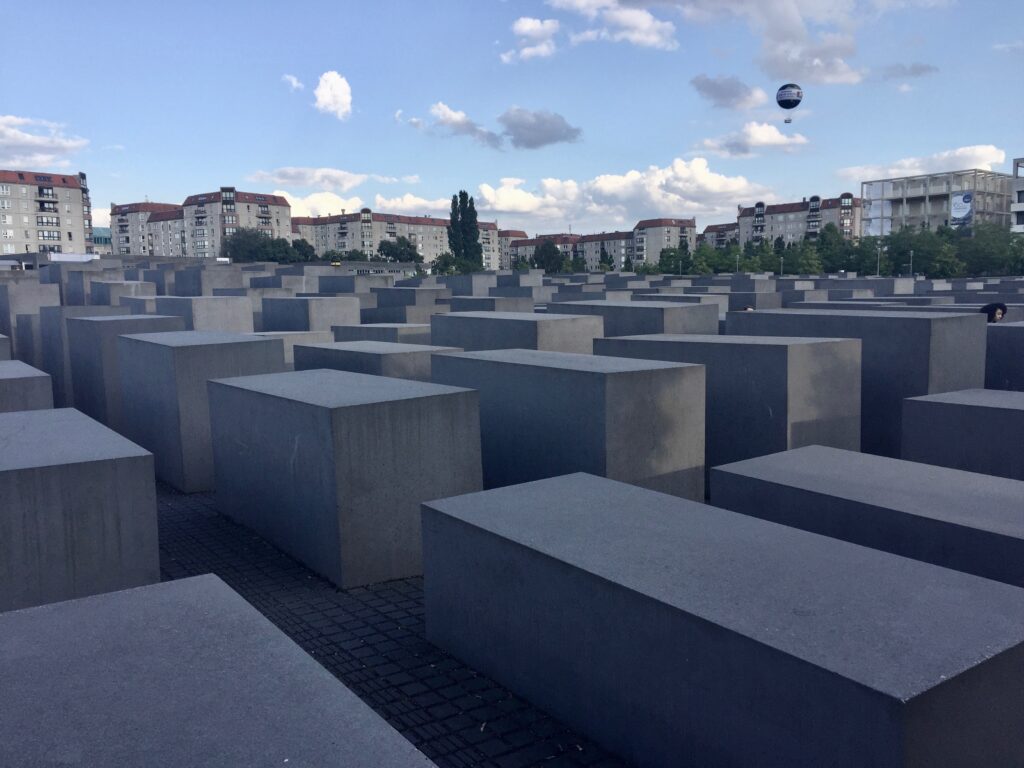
(48, 234)
(5, 189)
(8, 248)
(230, 219)
(69, 236)
(229, 231)
(7, 234)
(47, 221)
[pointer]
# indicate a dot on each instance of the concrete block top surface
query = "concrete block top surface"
(525, 317)
(709, 338)
(49, 438)
(416, 326)
(864, 313)
(980, 398)
(197, 338)
(176, 674)
(381, 347)
(985, 502)
(569, 361)
(328, 388)
(122, 319)
(895, 625)
(16, 369)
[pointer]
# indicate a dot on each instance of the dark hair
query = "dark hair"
(990, 310)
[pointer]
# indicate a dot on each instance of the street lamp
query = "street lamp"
(782, 265)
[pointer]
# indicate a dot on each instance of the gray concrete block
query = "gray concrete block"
(903, 354)
(309, 314)
(400, 333)
(200, 281)
(764, 393)
(23, 297)
(353, 283)
(77, 510)
(27, 339)
(1004, 359)
(291, 338)
(517, 330)
(977, 430)
(56, 355)
(156, 676)
(961, 520)
(544, 414)
(406, 297)
(402, 313)
(111, 292)
(491, 304)
(331, 466)
(740, 300)
(670, 631)
(140, 305)
(164, 399)
(5, 348)
(629, 318)
(95, 366)
(23, 388)
(219, 314)
(377, 358)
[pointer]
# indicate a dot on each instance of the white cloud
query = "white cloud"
(334, 95)
(458, 123)
(752, 136)
(320, 203)
(536, 39)
(411, 204)
(620, 21)
(398, 115)
(293, 82)
(527, 129)
(904, 88)
(983, 156)
(26, 142)
(100, 216)
(728, 92)
(1015, 46)
(328, 179)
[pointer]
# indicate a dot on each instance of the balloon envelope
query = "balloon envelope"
(789, 96)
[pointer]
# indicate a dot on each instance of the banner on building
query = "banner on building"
(961, 209)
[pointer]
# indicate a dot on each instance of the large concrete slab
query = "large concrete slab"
(23, 388)
(1004, 359)
(56, 355)
(903, 354)
(630, 318)
(962, 520)
(157, 676)
(309, 314)
(292, 338)
(5, 348)
(401, 333)
(95, 366)
(377, 358)
(475, 331)
(110, 292)
(331, 466)
(23, 297)
(77, 510)
(978, 430)
(544, 414)
(219, 314)
(164, 399)
(670, 631)
(764, 393)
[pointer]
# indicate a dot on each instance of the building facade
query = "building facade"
(211, 218)
(651, 236)
(102, 243)
(44, 213)
(505, 238)
(618, 246)
(523, 250)
(720, 235)
(1017, 197)
(128, 231)
(794, 222)
(165, 233)
(954, 199)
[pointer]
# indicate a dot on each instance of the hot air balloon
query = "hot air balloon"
(789, 96)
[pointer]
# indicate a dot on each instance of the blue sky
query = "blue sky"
(556, 114)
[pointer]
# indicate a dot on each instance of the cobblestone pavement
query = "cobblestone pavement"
(372, 639)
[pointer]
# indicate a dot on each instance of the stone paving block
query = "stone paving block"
(309, 314)
(401, 333)
(1004, 359)
(977, 430)
(377, 358)
(630, 318)
(23, 388)
(154, 676)
(219, 314)
(666, 628)
(56, 355)
(164, 399)
(544, 414)
(77, 510)
(331, 466)
(95, 366)
(903, 354)
(961, 520)
(764, 393)
(475, 331)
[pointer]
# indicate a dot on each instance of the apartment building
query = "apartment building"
(523, 250)
(364, 231)
(794, 222)
(651, 236)
(128, 232)
(505, 238)
(165, 234)
(618, 245)
(954, 199)
(211, 218)
(720, 235)
(1017, 197)
(44, 212)
(102, 243)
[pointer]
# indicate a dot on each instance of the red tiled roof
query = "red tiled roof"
(647, 223)
(170, 215)
(712, 228)
(512, 233)
(37, 178)
(120, 210)
(240, 197)
(606, 236)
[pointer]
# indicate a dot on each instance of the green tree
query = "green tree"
(627, 265)
(605, 264)
(835, 251)
(579, 263)
(673, 261)
(400, 249)
(647, 269)
(464, 231)
(455, 249)
(700, 263)
(548, 257)
(248, 245)
(303, 250)
(985, 249)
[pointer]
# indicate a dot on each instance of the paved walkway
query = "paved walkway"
(371, 639)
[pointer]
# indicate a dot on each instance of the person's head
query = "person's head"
(995, 311)
(748, 308)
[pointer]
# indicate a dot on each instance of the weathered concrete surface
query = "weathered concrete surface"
(377, 358)
(219, 314)
(474, 331)
(56, 355)
(401, 333)
(23, 388)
